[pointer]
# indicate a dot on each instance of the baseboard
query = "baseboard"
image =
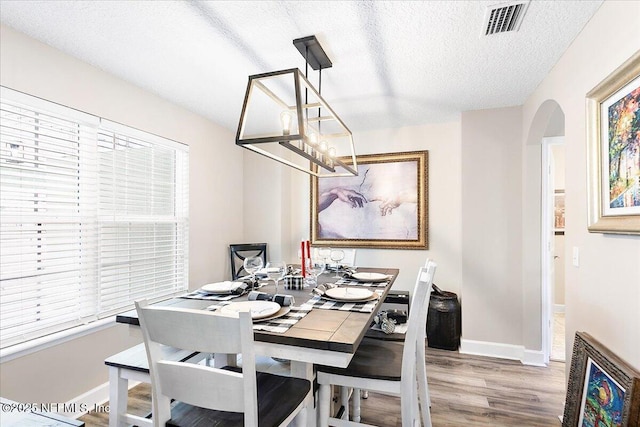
(93, 400)
(533, 358)
(502, 351)
(492, 349)
(558, 308)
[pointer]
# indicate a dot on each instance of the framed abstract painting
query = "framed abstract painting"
(384, 206)
(613, 150)
(603, 390)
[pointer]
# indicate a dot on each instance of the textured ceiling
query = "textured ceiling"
(395, 63)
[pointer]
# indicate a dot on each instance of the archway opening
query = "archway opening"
(543, 252)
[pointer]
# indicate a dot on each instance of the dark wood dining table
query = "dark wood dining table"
(327, 337)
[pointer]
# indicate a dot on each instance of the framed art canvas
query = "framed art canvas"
(613, 138)
(603, 390)
(384, 206)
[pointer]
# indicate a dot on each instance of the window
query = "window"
(93, 215)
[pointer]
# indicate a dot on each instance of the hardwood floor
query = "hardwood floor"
(465, 391)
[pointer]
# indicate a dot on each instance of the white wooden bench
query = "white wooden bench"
(132, 364)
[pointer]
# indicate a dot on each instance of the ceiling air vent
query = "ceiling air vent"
(504, 17)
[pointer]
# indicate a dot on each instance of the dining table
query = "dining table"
(327, 334)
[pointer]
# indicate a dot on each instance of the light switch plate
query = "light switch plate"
(576, 257)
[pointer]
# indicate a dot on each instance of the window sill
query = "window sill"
(42, 343)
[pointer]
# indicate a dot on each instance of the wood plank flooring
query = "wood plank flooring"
(465, 391)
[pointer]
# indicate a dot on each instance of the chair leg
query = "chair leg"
(300, 420)
(118, 395)
(356, 405)
(324, 396)
(344, 399)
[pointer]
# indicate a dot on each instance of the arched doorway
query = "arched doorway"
(539, 236)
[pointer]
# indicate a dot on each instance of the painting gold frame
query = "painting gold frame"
(601, 221)
(384, 207)
(614, 392)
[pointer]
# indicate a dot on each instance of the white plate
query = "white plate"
(221, 287)
(283, 311)
(370, 277)
(258, 309)
(348, 294)
(371, 298)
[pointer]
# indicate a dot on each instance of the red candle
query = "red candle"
(308, 250)
(304, 273)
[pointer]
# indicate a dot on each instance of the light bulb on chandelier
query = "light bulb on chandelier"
(286, 117)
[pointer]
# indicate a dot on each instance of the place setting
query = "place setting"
(228, 290)
(364, 278)
(219, 291)
(269, 312)
(331, 296)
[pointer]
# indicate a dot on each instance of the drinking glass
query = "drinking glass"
(314, 269)
(275, 271)
(337, 255)
(325, 254)
(253, 264)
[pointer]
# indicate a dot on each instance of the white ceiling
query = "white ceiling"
(395, 63)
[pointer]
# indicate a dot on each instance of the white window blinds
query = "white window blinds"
(143, 216)
(92, 216)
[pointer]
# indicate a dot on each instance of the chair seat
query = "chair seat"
(375, 359)
(278, 397)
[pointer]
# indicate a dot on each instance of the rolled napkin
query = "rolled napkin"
(342, 269)
(283, 300)
(321, 289)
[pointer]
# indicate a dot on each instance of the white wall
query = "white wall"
(443, 143)
(603, 293)
(491, 229)
(65, 371)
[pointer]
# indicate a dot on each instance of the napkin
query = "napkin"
(346, 270)
(235, 288)
(239, 289)
(283, 300)
(321, 289)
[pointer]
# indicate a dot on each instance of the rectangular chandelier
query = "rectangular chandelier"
(285, 118)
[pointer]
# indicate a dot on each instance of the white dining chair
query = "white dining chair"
(209, 396)
(387, 367)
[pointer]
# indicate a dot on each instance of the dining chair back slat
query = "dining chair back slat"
(216, 389)
(203, 331)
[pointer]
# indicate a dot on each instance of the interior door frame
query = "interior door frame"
(547, 239)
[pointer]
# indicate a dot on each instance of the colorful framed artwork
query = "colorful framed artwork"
(603, 390)
(558, 212)
(384, 206)
(613, 138)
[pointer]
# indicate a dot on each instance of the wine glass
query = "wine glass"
(325, 254)
(314, 269)
(252, 264)
(337, 255)
(275, 271)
